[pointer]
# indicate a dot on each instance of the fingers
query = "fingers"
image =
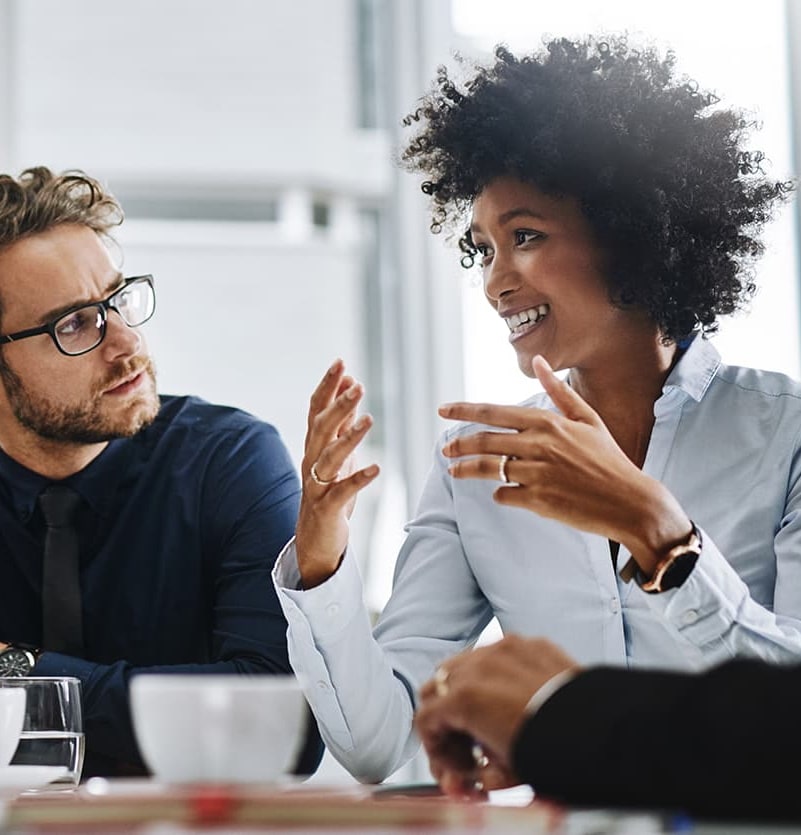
(342, 490)
(333, 421)
(332, 459)
(491, 414)
(569, 403)
(326, 390)
(334, 433)
(513, 444)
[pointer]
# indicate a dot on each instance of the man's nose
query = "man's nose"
(121, 340)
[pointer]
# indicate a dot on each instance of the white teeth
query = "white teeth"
(534, 314)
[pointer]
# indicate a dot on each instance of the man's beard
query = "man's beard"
(86, 423)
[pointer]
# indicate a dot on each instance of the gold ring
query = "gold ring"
(479, 757)
(504, 460)
(441, 681)
(316, 478)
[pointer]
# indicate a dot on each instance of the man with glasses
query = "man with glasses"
(169, 510)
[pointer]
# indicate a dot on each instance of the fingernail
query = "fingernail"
(361, 422)
(447, 449)
(353, 392)
(334, 367)
(371, 470)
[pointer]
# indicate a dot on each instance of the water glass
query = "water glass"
(52, 732)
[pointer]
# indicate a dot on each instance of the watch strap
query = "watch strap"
(666, 574)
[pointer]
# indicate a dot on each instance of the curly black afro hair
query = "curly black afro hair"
(660, 171)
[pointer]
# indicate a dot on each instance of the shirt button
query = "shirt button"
(332, 609)
(689, 617)
(322, 686)
(614, 605)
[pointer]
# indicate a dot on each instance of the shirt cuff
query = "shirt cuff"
(285, 571)
(547, 690)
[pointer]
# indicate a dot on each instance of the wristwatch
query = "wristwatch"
(673, 569)
(17, 660)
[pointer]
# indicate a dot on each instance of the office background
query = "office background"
(252, 144)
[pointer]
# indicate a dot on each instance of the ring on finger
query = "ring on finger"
(479, 756)
(502, 474)
(441, 681)
(321, 481)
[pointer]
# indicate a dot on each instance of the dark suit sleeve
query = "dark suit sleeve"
(250, 495)
(718, 744)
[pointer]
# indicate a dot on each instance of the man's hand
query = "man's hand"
(479, 696)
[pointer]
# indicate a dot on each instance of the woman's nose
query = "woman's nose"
(500, 278)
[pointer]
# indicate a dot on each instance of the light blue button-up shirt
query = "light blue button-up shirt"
(725, 442)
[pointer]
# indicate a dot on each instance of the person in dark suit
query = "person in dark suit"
(712, 744)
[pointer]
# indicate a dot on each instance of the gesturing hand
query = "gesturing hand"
(567, 466)
(330, 479)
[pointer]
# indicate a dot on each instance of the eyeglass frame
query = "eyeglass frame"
(103, 305)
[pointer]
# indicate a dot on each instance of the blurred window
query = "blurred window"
(201, 208)
(371, 21)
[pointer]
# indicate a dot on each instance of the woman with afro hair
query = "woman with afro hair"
(646, 510)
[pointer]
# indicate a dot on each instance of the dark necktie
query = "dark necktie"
(62, 627)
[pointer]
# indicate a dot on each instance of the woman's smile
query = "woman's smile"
(525, 321)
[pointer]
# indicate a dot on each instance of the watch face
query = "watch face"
(15, 662)
(679, 570)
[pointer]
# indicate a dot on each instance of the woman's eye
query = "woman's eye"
(524, 236)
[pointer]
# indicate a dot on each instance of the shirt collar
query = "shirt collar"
(695, 369)
(94, 483)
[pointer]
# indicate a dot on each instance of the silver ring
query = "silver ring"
(316, 478)
(504, 460)
(441, 681)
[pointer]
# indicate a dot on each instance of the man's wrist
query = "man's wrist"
(17, 660)
(547, 690)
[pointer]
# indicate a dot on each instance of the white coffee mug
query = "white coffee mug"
(201, 728)
(12, 715)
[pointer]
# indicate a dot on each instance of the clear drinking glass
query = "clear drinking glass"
(52, 733)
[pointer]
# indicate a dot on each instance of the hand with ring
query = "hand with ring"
(469, 713)
(564, 465)
(330, 479)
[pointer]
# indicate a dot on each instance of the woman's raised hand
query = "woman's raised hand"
(330, 479)
(567, 466)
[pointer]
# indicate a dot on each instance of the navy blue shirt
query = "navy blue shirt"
(179, 532)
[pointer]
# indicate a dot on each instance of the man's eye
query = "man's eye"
(76, 322)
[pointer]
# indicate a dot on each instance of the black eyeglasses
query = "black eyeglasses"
(83, 328)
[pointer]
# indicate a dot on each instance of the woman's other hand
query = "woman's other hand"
(330, 478)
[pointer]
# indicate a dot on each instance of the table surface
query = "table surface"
(115, 807)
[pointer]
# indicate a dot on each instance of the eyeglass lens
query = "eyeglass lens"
(83, 329)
